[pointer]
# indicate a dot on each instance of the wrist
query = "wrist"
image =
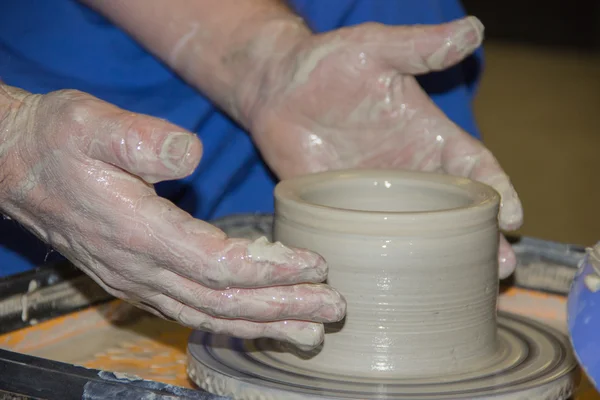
(12, 101)
(224, 48)
(257, 65)
(7, 103)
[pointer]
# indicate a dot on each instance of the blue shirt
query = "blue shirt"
(48, 45)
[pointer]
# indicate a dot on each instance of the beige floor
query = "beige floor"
(539, 111)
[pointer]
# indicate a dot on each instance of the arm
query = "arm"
(78, 172)
(357, 103)
(221, 47)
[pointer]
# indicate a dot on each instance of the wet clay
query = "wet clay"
(416, 260)
(415, 256)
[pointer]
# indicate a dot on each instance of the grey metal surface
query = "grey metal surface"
(546, 266)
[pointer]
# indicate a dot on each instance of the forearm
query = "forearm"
(12, 169)
(5, 105)
(11, 98)
(222, 47)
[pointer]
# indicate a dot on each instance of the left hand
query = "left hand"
(349, 99)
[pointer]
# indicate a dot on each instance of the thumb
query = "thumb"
(420, 49)
(465, 156)
(153, 149)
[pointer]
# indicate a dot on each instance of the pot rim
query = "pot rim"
(289, 197)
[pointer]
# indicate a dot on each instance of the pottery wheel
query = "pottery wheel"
(533, 362)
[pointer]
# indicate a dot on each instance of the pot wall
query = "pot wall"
(421, 303)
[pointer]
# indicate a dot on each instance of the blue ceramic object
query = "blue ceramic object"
(583, 315)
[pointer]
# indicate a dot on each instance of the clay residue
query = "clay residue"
(33, 285)
(592, 282)
(310, 62)
(125, 377)
(261, 250)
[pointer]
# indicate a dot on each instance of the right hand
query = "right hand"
(78, 172)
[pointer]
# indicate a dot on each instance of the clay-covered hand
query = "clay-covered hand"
(78, 172)
(349, 99)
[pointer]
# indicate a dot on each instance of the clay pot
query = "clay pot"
(415, 256)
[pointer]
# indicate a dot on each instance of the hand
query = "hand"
(77, 172)
(349, 99)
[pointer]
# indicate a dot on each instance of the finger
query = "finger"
(243, 263)
(511, 210)
(240, 263)
(202, 253)
(463, 155)
(148, 147)
(460, 154)
(305, 335)
(308, 302)
(420, 49)
(507, 258)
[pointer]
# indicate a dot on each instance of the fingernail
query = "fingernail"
(307, 337)
(315, 268)
(470, 35)
(177, 146)
(334, 312)
(334, 309)
(478, 26)
(507, 265)
(511, 211)
(467, 36)
(321, 303)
